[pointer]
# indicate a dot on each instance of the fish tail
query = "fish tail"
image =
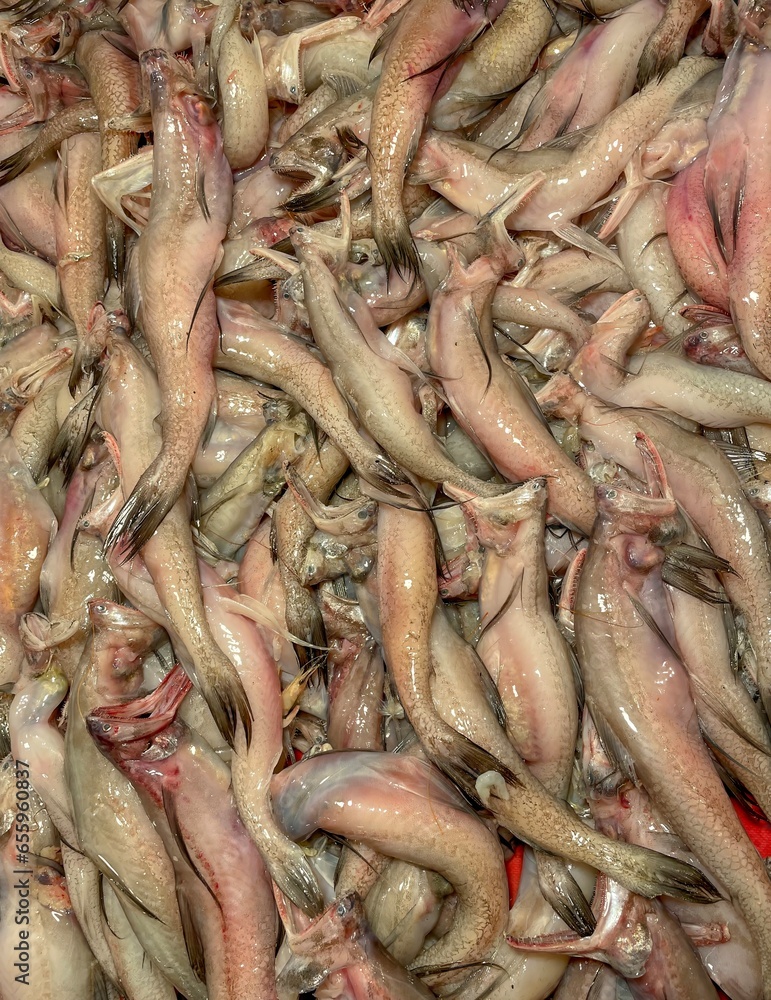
(396, 245)
(294, 876)
(227, 701)
(650, 874)
(463, 761)
(662, 52)
(152, 498)
(563, 894)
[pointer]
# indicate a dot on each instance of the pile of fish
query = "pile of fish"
(385, 495)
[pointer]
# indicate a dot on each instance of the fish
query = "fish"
(190, 205)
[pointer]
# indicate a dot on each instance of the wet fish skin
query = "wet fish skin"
(191, 785)
(115, 85)
(129, 399)
(304, 802)
(113, 829)
(406, 86)
(457, 322)
(189, 208)
(621, 575)
(737, 161)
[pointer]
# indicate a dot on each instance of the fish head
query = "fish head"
(135, 740)
(562, 397)
(145, 728)
(173, 92)
(122, 638)
(495, 520)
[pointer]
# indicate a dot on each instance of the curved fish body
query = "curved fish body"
(660, 380)
(177, 256)
(490, 401)
(737, 166)
(428, 34)
(129, 401)
(26, 529)
(692, 238)
(258, 348)
(695, 469)
(189, 783)
(115, 85)
(391, 791)
(594, 76)
(81, 241)
(641, 693)
(498, 63)
(380, 393)
(112, 826)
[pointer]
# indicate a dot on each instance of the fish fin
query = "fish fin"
(202, 294)
(662, 52)
(171, 817)
(692, 555)
(529, 395)
(516, 587)
(15, 164)
(193, 943)
(742, 459)
(345, 84)
(650, 621)
(138, 121)
(143, 512)
(294, 876)
(228, 704)
(620, 758)
(351, 142)
(385, 37)
(397, 247)
(122, 43)
(689, 581)
(715, 214)
(312, 201)
(575, 236)
(200, 188)
(120, 886)
(727, 718)
(73, 435)
(563, 893)
(473, 321)
(463, 761)
(492, 694)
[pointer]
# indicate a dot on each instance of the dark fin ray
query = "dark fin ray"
(473, 321)
(563, 894)
(199, 302)
(228, 705)
(140, 516)
(200, 188)
(171, 817)
(651, 622)
(690, 582)
(117, 883)
(463, 762)
(620, 758)
(73, 435)
(516, 587)
(705, 696)
(692, 555)
(193, 942)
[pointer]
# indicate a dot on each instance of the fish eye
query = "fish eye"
(611, 495)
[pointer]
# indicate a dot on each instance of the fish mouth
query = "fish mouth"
(142, 718)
